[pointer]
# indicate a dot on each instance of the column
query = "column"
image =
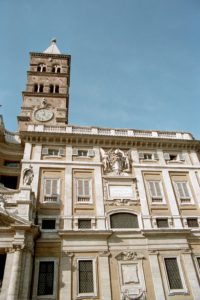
(66, 276)
(13, 289)
(156, 276)
(100, 214)
(172, 199)
(104, 274)
(143, 199)
(27, 274)
(192, 276)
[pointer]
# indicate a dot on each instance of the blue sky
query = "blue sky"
(135, 63)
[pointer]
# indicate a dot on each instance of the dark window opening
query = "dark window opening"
(123, 220)
(35, 88)
(57, 89)
(54, 70)
(12, 164)
(173, 274)
(86, 280)
(147, 156)
(2, 267)
(84, 224)
(58, 70)
(192, 222)
(46, 277)
(39, 68)
(48, 224)
(9, 181)
(51, 88)
(82, 152)
(172, 157)
(162, 223)
(44, 69)
(41, 88)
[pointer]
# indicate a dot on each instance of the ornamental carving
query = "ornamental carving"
(116, 162)
(129, 255)
(28, 175)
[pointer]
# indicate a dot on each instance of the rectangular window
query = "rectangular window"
(53, 151)
(48, 224)
(84, 223)
(192, 222)
(173, 274)
(183, 191)
(83, 190)
(46, 278)
(162, 223)
(86, 277)
(51, 189)
(155, 191)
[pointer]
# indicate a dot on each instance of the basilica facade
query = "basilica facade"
(94, 213)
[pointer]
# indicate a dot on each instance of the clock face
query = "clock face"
(43, 115)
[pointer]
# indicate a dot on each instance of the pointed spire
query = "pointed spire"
(52, 49)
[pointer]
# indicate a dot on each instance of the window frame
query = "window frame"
(36, 278)
(57, 196)
(123, 228)
(156, 200)
(190, 199)
(184, 290)
(90, 185)
(94, 271)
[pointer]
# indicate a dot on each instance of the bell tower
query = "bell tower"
(46, 98)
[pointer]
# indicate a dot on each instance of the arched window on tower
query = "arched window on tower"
(56, 69)
(38, 88)
(57, 89)
(53, 89)
(123, 220)
(41, 68)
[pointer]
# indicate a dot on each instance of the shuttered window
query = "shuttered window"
(83, 190)
(86, 277)
(155, 190)
(123, 220)
(51, 189)
(182, 189)
(46, 278)
(173, 273)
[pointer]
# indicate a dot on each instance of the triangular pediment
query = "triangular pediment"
(11, 219)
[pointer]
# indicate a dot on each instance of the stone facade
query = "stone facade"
(94, 213)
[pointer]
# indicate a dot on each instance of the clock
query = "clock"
(43, 115)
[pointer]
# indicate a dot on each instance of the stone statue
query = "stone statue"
(28, 175)
(115, 161)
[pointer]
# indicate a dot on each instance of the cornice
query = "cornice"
(108, 141)
(59, 56)
(48, 74)
(43, 95)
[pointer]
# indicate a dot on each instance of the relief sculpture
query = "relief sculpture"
(116, 162)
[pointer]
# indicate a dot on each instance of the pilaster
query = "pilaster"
(156, 276)
(105, 276)
(172, 199)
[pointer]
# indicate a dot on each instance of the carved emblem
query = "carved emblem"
(129, 255)
(116, 162)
